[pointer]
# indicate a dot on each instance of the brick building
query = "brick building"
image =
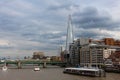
(38, 55)
(111, 42)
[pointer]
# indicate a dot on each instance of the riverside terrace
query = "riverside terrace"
(20, 63)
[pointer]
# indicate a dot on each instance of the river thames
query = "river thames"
(49, 74)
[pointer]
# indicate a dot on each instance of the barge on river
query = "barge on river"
(86, 71)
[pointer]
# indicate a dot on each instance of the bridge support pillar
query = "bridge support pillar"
(19, 65)
(44, 65)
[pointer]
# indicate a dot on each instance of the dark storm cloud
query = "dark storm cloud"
(10, 24)
(51, 38)
(91, 34)
(62, 6)
(58, 42)
(6, 47)
(52, 35)
(87, 34)
(91, 18)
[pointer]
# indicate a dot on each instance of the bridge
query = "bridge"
(19, 63)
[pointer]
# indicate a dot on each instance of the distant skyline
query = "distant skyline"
(41, 25)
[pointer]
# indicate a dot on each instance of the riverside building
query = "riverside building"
(74, 50)
(85, 53)
(92, 55)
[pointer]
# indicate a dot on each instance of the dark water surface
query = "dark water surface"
(49, 74)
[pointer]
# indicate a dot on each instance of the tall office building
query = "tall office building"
(74, 50)
(69, 39)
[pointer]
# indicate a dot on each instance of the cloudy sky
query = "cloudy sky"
(40, 25)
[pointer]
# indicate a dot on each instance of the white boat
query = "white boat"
(36, 69)
(85, 71)
(2, 60)
(4, 68)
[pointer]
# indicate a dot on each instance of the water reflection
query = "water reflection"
(49, 74)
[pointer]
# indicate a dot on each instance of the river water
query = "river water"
(49, 74)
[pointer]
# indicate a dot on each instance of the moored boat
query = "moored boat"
(4, 68)
(36, 69)
(85, 71)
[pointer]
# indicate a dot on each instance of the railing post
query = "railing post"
(44, 65)
(19, 65)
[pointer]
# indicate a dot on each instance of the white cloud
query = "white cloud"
(114, 34)
(4, 43)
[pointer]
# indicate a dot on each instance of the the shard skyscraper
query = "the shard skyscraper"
(69, 37)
